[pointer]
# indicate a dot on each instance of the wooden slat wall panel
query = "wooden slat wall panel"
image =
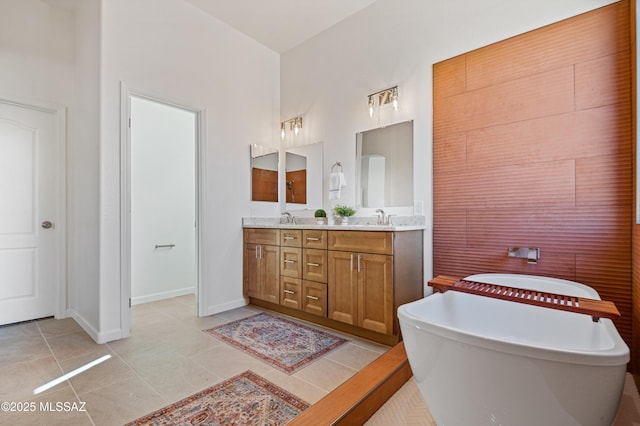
(586, 37)
(591, 230)
(532, 147)
(588, 133)
(451, 78)
(533, 184)
(604, 180)
(538, 95)
(603, 81)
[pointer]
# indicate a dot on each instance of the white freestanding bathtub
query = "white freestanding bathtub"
(483, 361)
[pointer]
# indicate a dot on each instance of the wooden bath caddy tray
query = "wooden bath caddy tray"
(596, 308)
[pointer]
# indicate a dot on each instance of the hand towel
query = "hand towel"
(336, 183)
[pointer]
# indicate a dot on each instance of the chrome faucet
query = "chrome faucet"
(289, 218)
(382, 218)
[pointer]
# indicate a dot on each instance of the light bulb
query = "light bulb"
(370, 107)
(282, 131)
(394, 98)
(296, 129)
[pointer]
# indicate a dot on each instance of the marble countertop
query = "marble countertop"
(413, 223)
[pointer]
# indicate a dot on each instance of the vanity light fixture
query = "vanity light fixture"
(295, 124)
(383, 97)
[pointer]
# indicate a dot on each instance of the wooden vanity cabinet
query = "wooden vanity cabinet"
(370, 274)
(353, 281)
(261, 264)
(361, 290)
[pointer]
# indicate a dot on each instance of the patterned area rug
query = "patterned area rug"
(284, 344)
(246, 399)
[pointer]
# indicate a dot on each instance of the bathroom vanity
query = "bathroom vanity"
(352, 279)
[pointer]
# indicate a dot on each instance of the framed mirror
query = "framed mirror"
(384, 166)
(264, 173)
(302, 183)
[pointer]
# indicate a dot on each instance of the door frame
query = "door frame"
(59, 113)
(125, 199)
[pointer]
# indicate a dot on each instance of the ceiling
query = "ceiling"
(278, 24)
(281, 24)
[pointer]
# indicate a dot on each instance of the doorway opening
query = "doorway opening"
(161, 233)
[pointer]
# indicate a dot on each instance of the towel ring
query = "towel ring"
(337, 163)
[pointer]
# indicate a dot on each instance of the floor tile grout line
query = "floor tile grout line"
(135, 371)
(55, 358)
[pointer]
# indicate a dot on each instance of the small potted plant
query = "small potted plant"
(343, 212)
(320, 216)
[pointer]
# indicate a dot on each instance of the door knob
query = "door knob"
(46, 224)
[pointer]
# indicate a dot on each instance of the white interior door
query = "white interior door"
(29, 197)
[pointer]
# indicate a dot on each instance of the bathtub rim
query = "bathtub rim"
(489, 277)
(617, 354)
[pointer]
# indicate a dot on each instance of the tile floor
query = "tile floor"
(167, 358)
(406, 407)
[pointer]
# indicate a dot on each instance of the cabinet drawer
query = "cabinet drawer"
(314, 265)
(291, 237)
(291, 292)
(314, 239)
(291, 262)
(314, 298)
(262, 236)
(377, 242)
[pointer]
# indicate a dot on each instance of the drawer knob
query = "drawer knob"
(289, 238)
(289, 261)
(290, 292)
(313, 264)
(313, 239)
(313, 297)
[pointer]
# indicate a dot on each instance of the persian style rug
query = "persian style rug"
(284, 344)
(246, 399)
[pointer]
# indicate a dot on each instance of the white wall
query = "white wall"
(396, 42)
(36, 51)
(171, 50)
(163, 201)
(83, 160)
(47, 55)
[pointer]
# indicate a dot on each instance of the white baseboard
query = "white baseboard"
(82, 322)
(163, 295)
(216, 309)
(99, 337)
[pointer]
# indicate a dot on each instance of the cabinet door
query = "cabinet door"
(314, 265)
(342, 287)
(270, 268)
(291, 262)
(314, 298)
(291, 292)
(375, 292)
(251, 270)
